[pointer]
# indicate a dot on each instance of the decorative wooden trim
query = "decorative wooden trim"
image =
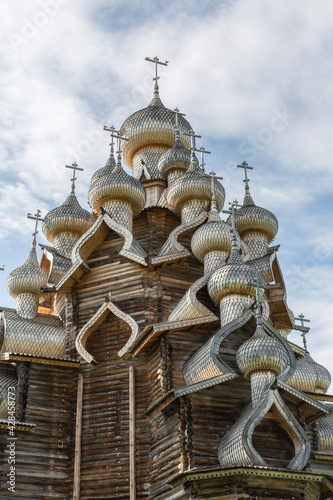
(26, 358)
(209, 474)
(19, 426)
(78, 432)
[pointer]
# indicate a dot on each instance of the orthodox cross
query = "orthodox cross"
(156, 61)
(37, 218)
(212, 175)
(177, 113)
(113, 135)
(258, 285)
(120, 137)
(73, 179)
(204, 152)
(193, 136)
(303, 328)
(246, 167)
(233, 205)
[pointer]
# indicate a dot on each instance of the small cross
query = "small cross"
(113, 135)
(156, 61)
(203, 152)
(73, 179)
(120, 138)
(258, 285)
(177, 113)
(37, 218)
(234, 205)
(193, 136)
(246, 167)
(302, 319)
(2, 268)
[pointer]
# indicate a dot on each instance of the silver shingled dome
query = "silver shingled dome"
(115, 184)
(262, 352)
(234, 277)
(70, 217)
(153, 125)
(256, 219)
(28, 278)
(310, 376)
(175, 158)
(194, 185)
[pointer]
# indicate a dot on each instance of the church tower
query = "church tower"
(147, 357)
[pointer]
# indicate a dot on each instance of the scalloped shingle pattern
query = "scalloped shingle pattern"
(151, 125)
(41, 336)
(69, 217)
(117, 185)
(28, 278)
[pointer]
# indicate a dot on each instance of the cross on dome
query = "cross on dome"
(113, 135)
(74, 167)
(233, 206)
(193, 136)
(156, 61)
(203, 152)
(37, 218)
(246, 167)
(258, 285)
(177, 113)
(304, 329)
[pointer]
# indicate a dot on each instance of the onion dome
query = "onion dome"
(102, 172)
(310, 376)
(212, 236)
(153, 125)
(250, 218)
(175, 158)
(70, 217)
(234, 278)
(194, 185)
(24, 284)
(262, 352)
(116, 185)
(28, 278)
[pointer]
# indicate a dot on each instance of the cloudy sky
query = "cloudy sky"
(254, 78)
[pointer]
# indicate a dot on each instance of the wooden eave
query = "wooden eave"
(19, 426)
(311, 408)
(43, 360)
(218, 474)
(166, 402)
(151, 333)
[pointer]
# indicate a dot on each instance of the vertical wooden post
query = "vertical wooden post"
(132, 431)
(78, 432)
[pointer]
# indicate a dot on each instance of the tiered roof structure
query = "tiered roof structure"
(148, 351)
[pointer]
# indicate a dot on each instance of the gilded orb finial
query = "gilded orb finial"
(37, 218)
(74, 167)
(246, 167)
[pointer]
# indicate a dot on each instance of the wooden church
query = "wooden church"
(147, 356)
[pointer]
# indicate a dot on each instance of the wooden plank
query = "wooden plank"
(78, 432)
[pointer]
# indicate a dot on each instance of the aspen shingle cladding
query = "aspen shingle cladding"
(42, 336)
